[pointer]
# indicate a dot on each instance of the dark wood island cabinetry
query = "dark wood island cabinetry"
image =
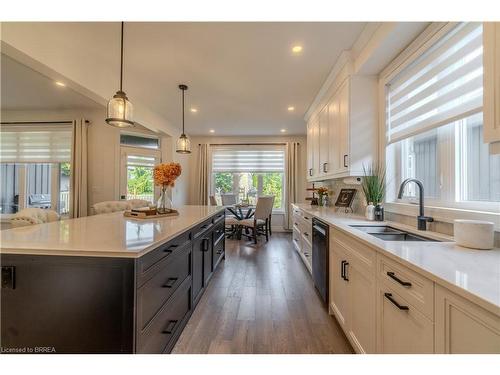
(97, 304)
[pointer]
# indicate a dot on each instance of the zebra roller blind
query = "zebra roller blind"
(248, 159)
(443, 85)
(35, 144)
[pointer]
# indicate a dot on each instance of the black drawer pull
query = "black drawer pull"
(205, 226)
(219, 252)
(346, 263)
(171, 248)
(394, 277)
(342, 269)
(394, 302)
(205, 244)
(345, 161)
(170, 282)
(170, 326)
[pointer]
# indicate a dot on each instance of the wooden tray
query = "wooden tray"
(142, 216)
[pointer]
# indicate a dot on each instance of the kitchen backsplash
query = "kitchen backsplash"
(359, 205)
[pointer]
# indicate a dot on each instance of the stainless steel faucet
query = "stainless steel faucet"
(421, 219)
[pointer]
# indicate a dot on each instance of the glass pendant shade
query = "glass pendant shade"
(183, 144)
(120, 111)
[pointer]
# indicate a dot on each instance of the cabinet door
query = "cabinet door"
(491, 63)
(463, 327)
(310, 154)
(343, 126)
(323, 124)
(198, 254)
(362, 293)
(338, 286)
(315, 147)
(401, 329)
(333, 136)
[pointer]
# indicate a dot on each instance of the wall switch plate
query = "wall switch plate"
(8, 277)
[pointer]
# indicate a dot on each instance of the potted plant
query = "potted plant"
(373, 186)
(165, 175)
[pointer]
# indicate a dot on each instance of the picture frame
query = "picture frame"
(345, 198)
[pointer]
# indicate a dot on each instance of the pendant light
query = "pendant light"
(183, 143)
(120, 110)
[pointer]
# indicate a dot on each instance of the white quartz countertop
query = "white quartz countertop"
(474, 274)
(106, 235)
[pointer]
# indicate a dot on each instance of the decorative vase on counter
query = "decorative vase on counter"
(379, 213)
(370, 211)
(164, 204)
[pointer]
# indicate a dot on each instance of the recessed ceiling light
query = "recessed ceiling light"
(194, 110)
(283, 130)
(59, 83)
(291, 108)
(297, 49)
(212, 131)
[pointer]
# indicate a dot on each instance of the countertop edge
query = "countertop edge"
(488, 305)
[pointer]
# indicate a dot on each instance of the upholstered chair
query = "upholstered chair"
(138, 203)
(228, 199)
(32, 216)
(213, 201)
(260, 222)
(110, 206)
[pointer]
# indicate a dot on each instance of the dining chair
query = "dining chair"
(138, 203)
(213, 201)
(259, 224)
(110, 206)
(32, 216)
(228, 199)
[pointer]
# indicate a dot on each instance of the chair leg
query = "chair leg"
(255, 235)
(270, 231)
(267, 228)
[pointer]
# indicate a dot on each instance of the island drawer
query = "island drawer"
(147, 265)
(156, 291)
(161, 333)
(202, 228)
(218, 217)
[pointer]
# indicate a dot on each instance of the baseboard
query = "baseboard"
(279, 229)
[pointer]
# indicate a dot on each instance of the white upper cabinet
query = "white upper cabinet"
(346, 135)
(491, 77)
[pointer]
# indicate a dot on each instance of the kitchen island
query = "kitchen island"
(106, 283)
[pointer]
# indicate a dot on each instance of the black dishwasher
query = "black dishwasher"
(320, 257)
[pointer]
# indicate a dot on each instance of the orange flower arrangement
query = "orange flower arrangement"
(165, 174)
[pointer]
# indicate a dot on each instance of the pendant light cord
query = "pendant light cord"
(121, 60)
(183, 111)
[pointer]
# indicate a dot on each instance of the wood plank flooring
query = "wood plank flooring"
(261, 300)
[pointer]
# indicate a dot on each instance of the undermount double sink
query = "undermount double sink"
(388, 233)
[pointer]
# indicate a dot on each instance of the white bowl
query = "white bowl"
(475, 234)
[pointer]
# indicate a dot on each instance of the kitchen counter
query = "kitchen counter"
(474, 274)
(106, 235)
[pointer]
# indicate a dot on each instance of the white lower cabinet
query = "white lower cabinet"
(463, 327)
(352, 295)
(401, 328)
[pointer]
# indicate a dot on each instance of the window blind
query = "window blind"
(256, 159)
(141, 161)
(35, 144)
(443, 85)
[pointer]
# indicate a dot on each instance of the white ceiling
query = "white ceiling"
(241, 76)
(22, 88)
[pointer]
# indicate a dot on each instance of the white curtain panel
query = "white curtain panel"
(292, 180)
(203, 174)
(78, 205)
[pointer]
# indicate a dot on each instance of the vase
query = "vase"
(379, 213)
(164, 204)
(370, 212)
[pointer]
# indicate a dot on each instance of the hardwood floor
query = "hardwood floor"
(261, 300)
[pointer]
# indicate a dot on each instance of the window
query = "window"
(249, 172)
(35, 168)
(137, 166)
(434, 125)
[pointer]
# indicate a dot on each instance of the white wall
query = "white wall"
(277, 220)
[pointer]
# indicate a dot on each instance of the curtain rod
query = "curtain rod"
(37, 122)
(246, 144)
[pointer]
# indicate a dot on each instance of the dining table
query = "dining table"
(241, 211)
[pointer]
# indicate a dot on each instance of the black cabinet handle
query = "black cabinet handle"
(171, 248)
(346, 263)
(310, 172)
(345, 161)
(397, 279)
(219, 252)
(170, 282)
(342, 269)
(394, 302)
(306, 234)
(324, 167)
(8, 277)
(170, 326)
(205, 244)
